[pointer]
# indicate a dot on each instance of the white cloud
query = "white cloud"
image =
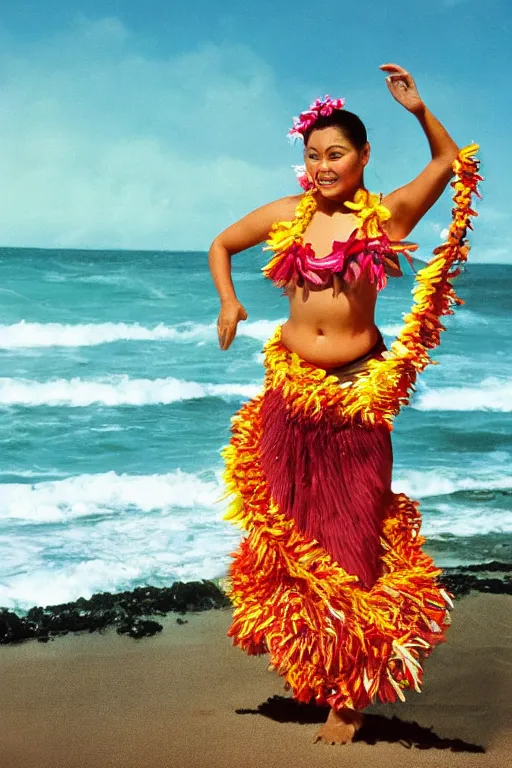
(105, 147)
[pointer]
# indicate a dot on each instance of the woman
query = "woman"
(331, 580)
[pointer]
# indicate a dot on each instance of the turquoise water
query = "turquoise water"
(115, 401)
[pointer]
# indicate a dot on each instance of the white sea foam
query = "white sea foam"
(492, 394)
(31, 473)
(114, 558)
(421, 483)
(390, 330)
(259, 329)
(468, 521)
(116, 532)
(105, 494)
(114, 391)
(22, 335)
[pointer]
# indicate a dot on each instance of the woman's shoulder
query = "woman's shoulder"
(254, 228)
(284, 208)
(268, 214)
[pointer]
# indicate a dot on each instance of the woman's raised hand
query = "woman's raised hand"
(231, 312)
(402, 87)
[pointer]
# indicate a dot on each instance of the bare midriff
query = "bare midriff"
(331, 330)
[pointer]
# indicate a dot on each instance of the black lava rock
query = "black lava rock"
(461, 580)
(122, 610)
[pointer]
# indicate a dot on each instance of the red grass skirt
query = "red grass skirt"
(333, 480)
(331, 580)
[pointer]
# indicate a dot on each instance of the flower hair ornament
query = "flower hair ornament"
(320, 108)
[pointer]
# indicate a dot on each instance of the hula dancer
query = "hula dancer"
(331, 580)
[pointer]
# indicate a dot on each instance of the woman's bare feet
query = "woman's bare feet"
(340, 727)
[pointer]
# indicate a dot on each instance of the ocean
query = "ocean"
(115, 401)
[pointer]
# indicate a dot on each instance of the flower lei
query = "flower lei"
(367, 206)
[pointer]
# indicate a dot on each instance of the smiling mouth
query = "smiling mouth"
(326, 182)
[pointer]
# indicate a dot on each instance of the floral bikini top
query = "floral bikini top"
(368, 251)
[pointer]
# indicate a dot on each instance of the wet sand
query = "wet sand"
(187, 698)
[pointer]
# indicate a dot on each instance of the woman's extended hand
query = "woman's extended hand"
(231, 312)
(402, 87)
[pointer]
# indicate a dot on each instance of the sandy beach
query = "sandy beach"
(186, 697)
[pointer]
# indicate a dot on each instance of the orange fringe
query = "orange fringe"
(333, 641)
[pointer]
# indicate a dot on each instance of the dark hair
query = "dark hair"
(349, 124)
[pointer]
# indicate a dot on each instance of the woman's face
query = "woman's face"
(333, 164)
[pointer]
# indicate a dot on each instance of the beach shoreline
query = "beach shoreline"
(187, 697)
(137, 612)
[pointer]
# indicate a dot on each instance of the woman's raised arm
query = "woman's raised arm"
(248, 231)
(410, 203)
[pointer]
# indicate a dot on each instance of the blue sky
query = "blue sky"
(156, 124)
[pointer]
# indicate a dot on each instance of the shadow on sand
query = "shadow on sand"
(377, 728)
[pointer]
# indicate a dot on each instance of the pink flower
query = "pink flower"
(350, 259)
(302, 178)
(324, 107)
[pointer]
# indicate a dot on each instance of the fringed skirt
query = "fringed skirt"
(331, 580)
